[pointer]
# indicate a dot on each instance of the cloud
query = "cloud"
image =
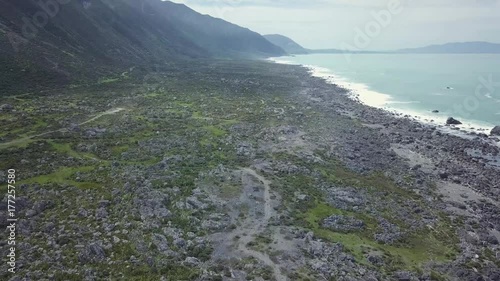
(332, 3)
(252, 3)
(328, 23)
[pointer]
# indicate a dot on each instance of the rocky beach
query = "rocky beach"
(243, 170)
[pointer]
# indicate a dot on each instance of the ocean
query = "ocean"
(463, 86)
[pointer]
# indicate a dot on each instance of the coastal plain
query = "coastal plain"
(241, 170)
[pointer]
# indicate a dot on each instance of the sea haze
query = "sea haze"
(464, 86)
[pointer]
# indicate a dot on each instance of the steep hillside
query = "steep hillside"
(218, 37)
(286, 44)
(81, 40)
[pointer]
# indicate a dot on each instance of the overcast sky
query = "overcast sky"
(337, 23)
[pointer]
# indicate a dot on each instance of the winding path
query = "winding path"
(253, 228)
(18, 141)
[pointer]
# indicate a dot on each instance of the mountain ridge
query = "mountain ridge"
(88, 40)
(472, 47)
(286, 43)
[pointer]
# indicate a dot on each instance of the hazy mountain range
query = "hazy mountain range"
(293, 47)
(457, 48)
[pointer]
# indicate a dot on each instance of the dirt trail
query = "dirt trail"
(18, 141)
(108, 112)
(253, 227)
(267, 194)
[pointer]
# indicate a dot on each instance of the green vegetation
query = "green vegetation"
(168, 141)
(63, 176)
(419, 247)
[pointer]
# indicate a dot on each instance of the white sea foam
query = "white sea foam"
(376, 99)
(357, 90)
(282, 61)
(404, 102)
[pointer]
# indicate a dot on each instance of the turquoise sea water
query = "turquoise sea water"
(466, 87)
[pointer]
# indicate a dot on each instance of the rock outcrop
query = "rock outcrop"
(453, 121)
(495, 131)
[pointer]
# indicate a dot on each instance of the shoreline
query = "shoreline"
(362, 94)
(439, 145)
